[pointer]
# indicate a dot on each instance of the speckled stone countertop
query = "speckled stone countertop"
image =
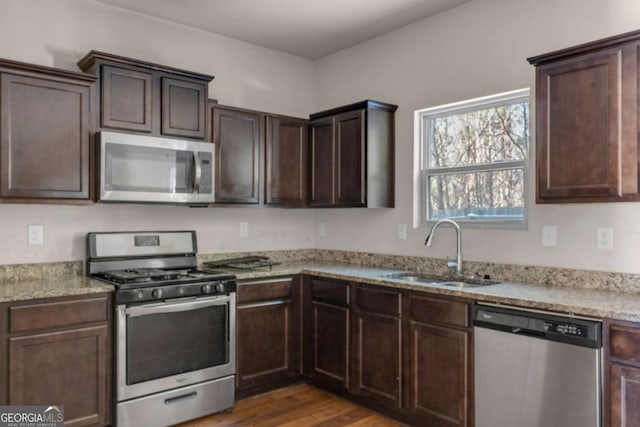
(575, 301)
(56, 286)
(19, 282)
(617, 297)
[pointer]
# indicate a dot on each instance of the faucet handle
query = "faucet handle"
(451, 266)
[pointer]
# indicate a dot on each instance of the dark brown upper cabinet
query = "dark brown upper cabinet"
(352, 156)
(184, 108)
(587, 122)
(286, 161)
(126, 99)
(45, 134)
(261, 158)
(237, 134)
(144, 97)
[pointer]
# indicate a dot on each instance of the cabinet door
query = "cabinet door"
(286, 161)
(625, 396)
(439, 375)
(578, 127)
(44, 139)
(350, 156)
(126, 97)
(378, 352)
(236, 134)
(267, 346)
(330, 346)
(69, 368)
(183, 108)
(322, 163)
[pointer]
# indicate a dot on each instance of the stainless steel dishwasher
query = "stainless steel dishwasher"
(535, 369)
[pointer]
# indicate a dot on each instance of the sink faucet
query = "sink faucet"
(458, 262)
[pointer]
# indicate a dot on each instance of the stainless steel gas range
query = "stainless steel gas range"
(175, 327)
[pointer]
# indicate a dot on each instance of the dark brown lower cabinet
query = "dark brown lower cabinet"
(330, 346)
(622, 394)
(378, 354)
(625, 395)
(58, 352)
(439, 345)
(268, 334)
(378, 347)
(439, 375)
(404, 354)
(327, 333)
(66, 368)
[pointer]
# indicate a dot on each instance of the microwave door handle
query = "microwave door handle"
(198, 172)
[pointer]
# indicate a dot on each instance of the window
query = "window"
(474, 157)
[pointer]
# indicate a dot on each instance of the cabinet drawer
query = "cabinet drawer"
(441, 311)
(264, 290)
(624, 342)
(379, 301)
(330, 291)
(57, 314)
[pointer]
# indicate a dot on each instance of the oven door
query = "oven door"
(138, 168)
(161, 346)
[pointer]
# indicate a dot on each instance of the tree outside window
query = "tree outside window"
(474, 159)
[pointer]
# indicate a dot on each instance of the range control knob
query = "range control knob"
(156, 293)
(207, 288)
(220, 287)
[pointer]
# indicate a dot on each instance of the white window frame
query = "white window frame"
(423, 122)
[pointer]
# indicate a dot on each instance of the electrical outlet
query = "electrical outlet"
(549, 236)
(244, 229)
(402, 231)
(322, 229)
(605, 238)
(35, 234)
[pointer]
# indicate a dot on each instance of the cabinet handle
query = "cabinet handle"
(263, 304)
(262, 282)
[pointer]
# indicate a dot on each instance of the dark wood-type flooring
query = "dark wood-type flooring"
(295, 406)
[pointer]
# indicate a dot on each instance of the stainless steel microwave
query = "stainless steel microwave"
(138, 168)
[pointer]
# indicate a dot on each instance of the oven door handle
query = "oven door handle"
(143, 310)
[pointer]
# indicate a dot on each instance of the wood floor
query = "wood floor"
(295, 406)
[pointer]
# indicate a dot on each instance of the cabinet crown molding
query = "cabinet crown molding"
(600, 44)
(366, 104)
(11, 65)
(94, 56)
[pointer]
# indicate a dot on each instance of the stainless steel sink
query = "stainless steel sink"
(417, 278)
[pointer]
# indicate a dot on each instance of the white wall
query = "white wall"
(476, 49)
(59, 33)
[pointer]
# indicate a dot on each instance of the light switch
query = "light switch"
(402, 231)
(244, 229)
(549, 236)
(322, 229)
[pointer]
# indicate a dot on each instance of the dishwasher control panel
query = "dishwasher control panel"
(550, 326)
(566, 328)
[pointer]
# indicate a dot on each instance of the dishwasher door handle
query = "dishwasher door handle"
(520, 331)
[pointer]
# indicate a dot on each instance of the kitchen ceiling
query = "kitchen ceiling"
(307, 28)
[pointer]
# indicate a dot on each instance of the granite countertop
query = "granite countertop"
(57, 286)
(575, 301)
